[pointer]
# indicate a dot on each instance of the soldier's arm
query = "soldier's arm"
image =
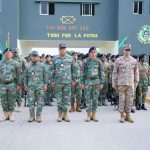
(115, 74)
(45, 76)
(17, 76)
(26, 77)
(85, 69)
(101, 73)
(74, 71)
(81, 72)
(52, 74)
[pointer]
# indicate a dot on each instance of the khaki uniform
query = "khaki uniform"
(125, 77)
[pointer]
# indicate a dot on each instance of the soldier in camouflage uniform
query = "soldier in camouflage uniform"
(113, 94)
(76, 92)
(125, 79)
(93, 80)
(36, 80)
(9, 83)
(63, 73)
(103, 92)
(21, 62)
(48, 93)
(144, 73)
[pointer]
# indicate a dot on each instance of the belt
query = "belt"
(7, 82)
(92, 78)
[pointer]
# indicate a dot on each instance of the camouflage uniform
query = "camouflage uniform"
(144, 73)
(9, 79)
(93, 75)
(63, 73)
(48, 93)
(76, 92)
(103, 92)
(35, 79)
(22, 66)
(113, 94)
(125, 77)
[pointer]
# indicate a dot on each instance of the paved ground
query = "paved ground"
(108, 134)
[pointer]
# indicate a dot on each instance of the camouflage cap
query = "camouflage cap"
(7, 49)
(34, 53)
(127, 46)
(62, 45)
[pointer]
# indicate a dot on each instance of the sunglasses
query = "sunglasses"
(128, 50)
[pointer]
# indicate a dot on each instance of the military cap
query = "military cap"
(74, 53)
(108, 55)
(91, 49)
(127, 46)
(135, 56)
(142, 56)
(80, 55)
(117, 56)
(34, 53)
(101, 55)
(85, 56)
(7, 49)
(113, 56)
(62, 45)
(48, 56)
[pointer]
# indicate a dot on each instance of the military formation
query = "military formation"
(77, 82)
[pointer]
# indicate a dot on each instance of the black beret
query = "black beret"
(7, 49)
(62, 45)
(91, 49)
(113, 56)
(48, 56)
(101, 55)
(74, 53)
(142, 56)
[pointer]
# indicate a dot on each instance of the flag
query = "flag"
(123, 42)
(6, 44)
(1, 51)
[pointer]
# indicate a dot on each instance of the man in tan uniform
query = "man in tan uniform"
(125, 79)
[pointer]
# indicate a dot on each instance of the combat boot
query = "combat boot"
(72, 109)
(32, 117)
(93, 117)
(143, 107)
(99, 103)
(19, 109)
(59, 116)
(128, 118)
(11, 116)
(122, 117)
(38, 118)
(5, 117)
(104, 103)
(78, 108)
(65, 117)
(88, 117)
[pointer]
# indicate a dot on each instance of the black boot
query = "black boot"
(49, 103)
(138, 107)
(83, 106)
(143, 107)
(104, 104)
(132, 110)
(99, 103)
